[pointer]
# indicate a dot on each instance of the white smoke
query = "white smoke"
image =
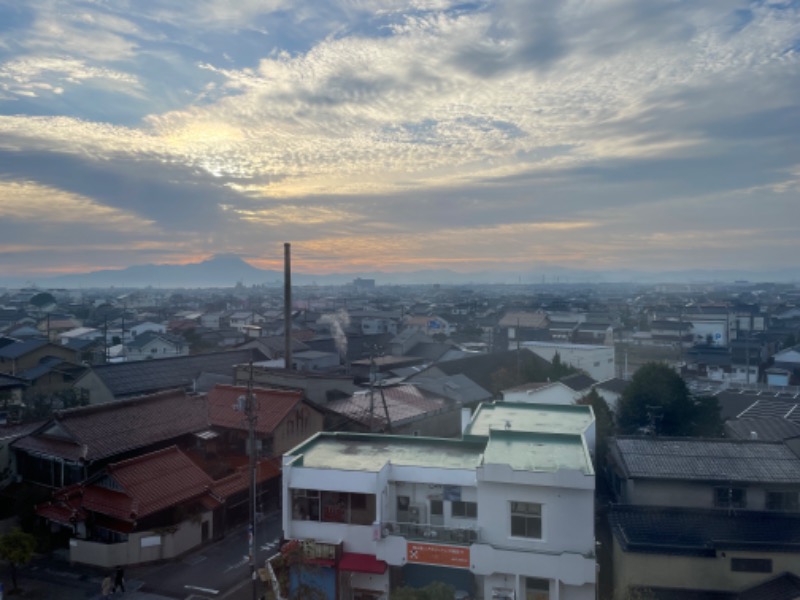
(337, 322)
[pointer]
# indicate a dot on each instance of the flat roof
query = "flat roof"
(530, 417)
(538, 452)
(367, 452)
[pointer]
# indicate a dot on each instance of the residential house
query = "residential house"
(506, 511)
(596, 361)
(152, 507)
(315, 361)
(672, 332)
(429, 325)
(11, 394)
(788, 359)
(283, 418)
(399, 409)
(21, 355)
(241, 319)
(708, 516)
(76, 443)
(521, 326)
(105, 383)
(138, 329)
(151, 345)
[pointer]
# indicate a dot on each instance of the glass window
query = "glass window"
(464, 509)
(782, 501)
(537, 589)
(730, 497)
(437, 508)
(526, 520)
(751, 565)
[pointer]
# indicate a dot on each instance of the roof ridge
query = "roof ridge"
(142, 457)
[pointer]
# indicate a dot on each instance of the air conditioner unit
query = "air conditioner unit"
(417, 514)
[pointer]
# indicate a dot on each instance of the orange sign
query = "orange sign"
(433, 554)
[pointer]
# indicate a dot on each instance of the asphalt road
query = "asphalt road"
(214, 569)
(219, 570)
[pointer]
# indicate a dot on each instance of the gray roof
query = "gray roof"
(578, 381)
(698, 532)
(459, 388)
(767, 429)
(615, 384)
(144, 338)
(146, 376)
(21, 348)
(706, 460)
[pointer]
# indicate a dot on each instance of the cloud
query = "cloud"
(437, 124)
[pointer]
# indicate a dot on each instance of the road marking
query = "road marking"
(241, 563)
(202, 589)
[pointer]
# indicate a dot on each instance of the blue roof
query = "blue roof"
(21, 348)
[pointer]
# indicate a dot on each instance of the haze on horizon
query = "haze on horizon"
(387, 135)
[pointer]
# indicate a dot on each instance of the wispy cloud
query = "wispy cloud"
(428, 120)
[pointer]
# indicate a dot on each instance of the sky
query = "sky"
(396, 136)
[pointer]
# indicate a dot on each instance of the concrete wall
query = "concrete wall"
(553, 394)
(596, 361)
(692, 572)
(567, 517)
(138, 548)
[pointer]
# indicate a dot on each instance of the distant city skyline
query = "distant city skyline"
(378, 135)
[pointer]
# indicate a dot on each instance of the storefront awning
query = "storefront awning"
(361, 563)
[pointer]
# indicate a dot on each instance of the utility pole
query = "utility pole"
(251, 413)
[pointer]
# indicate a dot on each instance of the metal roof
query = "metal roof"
(141, 377)
(706, 460)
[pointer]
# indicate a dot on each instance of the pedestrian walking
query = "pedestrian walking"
(119, 580)
(105, 587)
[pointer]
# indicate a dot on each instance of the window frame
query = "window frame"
(527, 517)
(465, 505)
(722, 502)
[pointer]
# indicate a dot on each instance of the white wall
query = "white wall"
(552, 394)
(596, 361)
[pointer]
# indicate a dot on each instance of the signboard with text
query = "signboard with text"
(435, 554)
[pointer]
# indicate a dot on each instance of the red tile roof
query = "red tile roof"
(159, 480)
(103, 430)
(240, 480)
(273, 407)
(147, 484)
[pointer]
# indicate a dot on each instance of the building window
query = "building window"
(526, 520)
(751, 565)
(437, 508)
(782, 501)
(333, 507)
(730, 497)
(537, 589)
(463, 509)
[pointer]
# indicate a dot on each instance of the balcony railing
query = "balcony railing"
(439, 534)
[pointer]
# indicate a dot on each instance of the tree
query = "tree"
(657, 401)
(17, 548)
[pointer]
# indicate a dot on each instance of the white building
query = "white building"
(596, 361)
(505, 512)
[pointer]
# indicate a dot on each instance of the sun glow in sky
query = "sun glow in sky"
(388, 135)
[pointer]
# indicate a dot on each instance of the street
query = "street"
(214, 571)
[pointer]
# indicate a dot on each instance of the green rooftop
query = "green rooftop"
(533, 418)
(365, 452)
(539, 452)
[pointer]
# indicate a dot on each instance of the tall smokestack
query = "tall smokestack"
(287, 304)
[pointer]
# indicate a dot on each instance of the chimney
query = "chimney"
(287, 305)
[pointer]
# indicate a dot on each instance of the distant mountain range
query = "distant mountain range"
(227, 270)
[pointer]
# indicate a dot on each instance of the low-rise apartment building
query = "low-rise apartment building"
(506, 511)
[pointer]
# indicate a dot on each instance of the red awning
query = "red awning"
(361, 563)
